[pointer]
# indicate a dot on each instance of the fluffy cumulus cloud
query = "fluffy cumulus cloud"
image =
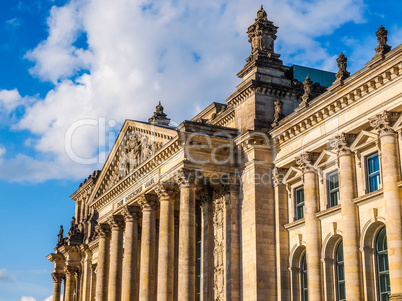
(113, 60)
(23, 298)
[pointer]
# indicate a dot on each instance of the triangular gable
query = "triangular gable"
(398, 124)
(364, 139)
(292, 173)
(137, 142)
(326, 157)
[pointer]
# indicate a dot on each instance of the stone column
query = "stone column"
(86, 282)
(349, 211)
(129, 289)
(103, 231)
(207, 236)
(281, 234)
(70, 282)
(187, 235)
(57, 278)
(176, 255)
(391, 175)
(92, 269)
(312, 226)
(147, 266)
(116, 223)
(166, 243)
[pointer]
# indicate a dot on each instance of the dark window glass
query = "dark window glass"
(340, 273)
(382, 266)
(333, 188)
(299, 202)
(373, 172)
(304, 287)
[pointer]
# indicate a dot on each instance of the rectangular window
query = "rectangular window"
(333, 188)
(373, 172)
(299, 202)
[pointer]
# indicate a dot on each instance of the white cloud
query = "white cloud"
(50, 298)
(23, 298)
(140, 53)
(2, 150)
(10, 100)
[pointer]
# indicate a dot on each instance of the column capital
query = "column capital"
(204, 195)
(130, 213)
(382, 122)
(277, 176)
(166, 191)
(220, 191)
(70, 270)
(305, 160)
(103, 230)
(148, 202)
(341, 143)
(116, 222)
(187, 177)
(57, 277)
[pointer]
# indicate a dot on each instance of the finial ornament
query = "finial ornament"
(342, 65)
(159, 116)
(382, 38)
(262, 33)
(278, 104)
(307, 91)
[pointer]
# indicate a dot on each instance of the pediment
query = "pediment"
(398, 124)
(292, 174)
(325, 158)
(136, 143)
(364, 139)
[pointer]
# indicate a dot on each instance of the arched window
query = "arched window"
(303, 276)
(340, 273)
(384, 287)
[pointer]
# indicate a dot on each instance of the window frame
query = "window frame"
(300, 204)
(338, 281)
(376, 173)
(334, 190)
(303, 278)
(377, 266)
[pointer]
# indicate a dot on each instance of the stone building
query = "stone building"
(287, 191)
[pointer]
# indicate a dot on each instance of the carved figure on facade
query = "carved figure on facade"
(382, 38)
(262, 33)
(159, 116)
(278, 115)
(342, 65)
(60, 236)
(307, 91)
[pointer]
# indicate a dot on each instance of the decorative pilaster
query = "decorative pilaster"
(57, 278)
(312, 226)
(103, 231)
(187, 235)
(349, 211)
(281, 234)
(166, 243)
(86, 277)
(148, 205)
(131, 216)
(116, 224)
(391, 175)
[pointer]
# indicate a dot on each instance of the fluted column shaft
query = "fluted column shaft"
(116, 257)
(166, 246)
(129, 289)
(392, 196)
(103, 262)
(70, 283)
(207, 256)
(350, 225)
(57, 278)
(187, 236)
(147, 265)
(312, 235)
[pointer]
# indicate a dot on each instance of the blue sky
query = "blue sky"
(66, 63)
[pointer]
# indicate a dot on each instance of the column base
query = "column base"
(395, 297)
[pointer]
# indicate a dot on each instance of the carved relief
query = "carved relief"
(262, 33)
(219, 195)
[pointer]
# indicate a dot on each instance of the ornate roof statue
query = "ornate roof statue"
(278, 112)
(262, 35)
(307, 91)
(382, 38)
(342, 65)
(159, 116)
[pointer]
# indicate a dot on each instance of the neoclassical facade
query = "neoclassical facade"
(287, 191)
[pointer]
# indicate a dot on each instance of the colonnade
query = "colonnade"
(120, 250)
